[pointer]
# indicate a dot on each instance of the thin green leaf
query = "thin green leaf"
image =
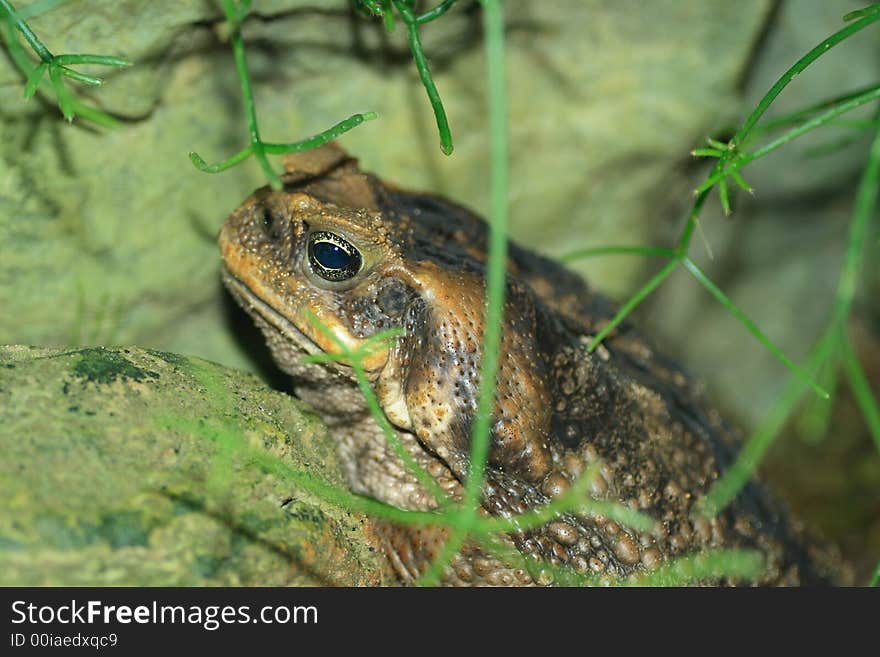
(814, 420)
(34, 79)
(752, 328)
(65, 102)
(80, 77)
(725, 199)
(631, 304)
(415, 46)
(869, 16)
(331, 133)
(861, 388)
(860, 13)
(710, 565)
(436, 12)
(740, 181)
(738, 475)
(103, 60)
(203, 166)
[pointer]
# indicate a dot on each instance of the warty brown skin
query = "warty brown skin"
(558, 408)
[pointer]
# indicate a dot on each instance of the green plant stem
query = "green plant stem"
(57, 67)
(278, 149)
(814, 420)
(833, 341)
(861, 388)
(727, 165)
(436, 12)
(737, 475)
(872, 15)
(743, 159)
(734, 310)
(235, 16)
(799, 116)
(238, 52)
(415, 45)
(497, 252)
(331, 133)
(875, 578)
(866, 202)
(495, 285)
(709, 565)
(33, 41)
(655, 282)
(679, 252)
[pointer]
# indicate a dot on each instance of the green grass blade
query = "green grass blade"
(103, 60)
(436, 12)
(496, 275)
(33, 41)
(871, 15)
(80, 77)
(866, 202)
(817, 121)
(331, 133)
(799, 116)
(493, 22)
(65, 101)
(633, 301)
(431, 577)
(725, 198)
(575, 500)
(709, 565)
(859, 13)
(738, 475)
(34, 79)
(418, 53)
(814, 420)
(752, 328)
(200, 164)
(858, 383)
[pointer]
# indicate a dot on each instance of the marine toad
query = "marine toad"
(363, 256)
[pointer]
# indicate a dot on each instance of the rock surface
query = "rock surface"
(108, 234)
(141, 468)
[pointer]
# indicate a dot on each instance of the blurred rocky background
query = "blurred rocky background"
(107, 236)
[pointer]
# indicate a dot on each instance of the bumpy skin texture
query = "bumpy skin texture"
(558, 409)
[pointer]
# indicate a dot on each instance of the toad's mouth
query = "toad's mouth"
(254, 305)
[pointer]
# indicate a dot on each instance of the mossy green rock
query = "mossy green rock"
(114, 473)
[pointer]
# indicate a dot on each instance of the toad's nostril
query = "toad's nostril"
(271, 224)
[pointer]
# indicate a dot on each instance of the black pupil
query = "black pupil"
(332, 257)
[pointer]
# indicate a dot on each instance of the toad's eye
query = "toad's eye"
(332, 257)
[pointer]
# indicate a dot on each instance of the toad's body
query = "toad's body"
(362, 257)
